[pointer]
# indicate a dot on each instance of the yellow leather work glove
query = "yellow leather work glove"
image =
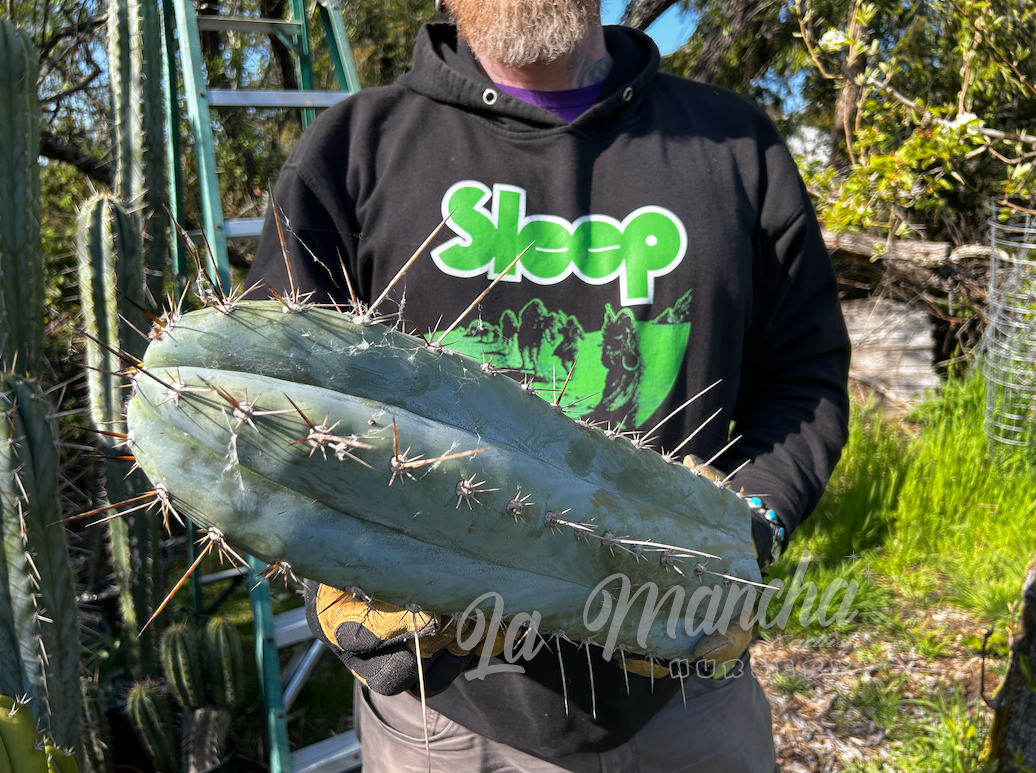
(721, 647)
(717, 648)
(375, 641)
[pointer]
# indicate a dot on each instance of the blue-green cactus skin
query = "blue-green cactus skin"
(259, 474)
(138, 128)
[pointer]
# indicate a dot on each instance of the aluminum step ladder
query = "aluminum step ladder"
(295, 34)
(182, 35)
(273, 632)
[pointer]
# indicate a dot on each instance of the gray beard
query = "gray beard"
(517, 33)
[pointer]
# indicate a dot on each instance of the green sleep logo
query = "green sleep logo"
(648, 243)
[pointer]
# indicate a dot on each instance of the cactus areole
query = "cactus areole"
(367, 459)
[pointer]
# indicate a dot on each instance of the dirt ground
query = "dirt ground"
(836, 700)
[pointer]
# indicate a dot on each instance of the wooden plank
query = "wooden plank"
(893, 348)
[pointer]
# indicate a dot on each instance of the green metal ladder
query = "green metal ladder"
(182, 35)
(295, 34)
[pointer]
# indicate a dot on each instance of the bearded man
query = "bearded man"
(669, 227)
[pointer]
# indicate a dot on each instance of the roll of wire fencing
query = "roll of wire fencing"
(1009, 345)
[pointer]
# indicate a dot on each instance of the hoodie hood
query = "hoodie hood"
(445, 70)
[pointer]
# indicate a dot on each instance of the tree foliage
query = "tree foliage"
(932, 115)
(382, 33)
(929, 106)
(73, 81)
(252, 145)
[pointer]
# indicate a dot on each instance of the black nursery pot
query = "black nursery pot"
(126, 749)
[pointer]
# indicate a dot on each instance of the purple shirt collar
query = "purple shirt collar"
(567, 105)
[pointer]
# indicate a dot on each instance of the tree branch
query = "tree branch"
(68, 31)
(86, 81)
(807, 37)
(735, 23)
(992, 45)
(60, 149)
(639, 14)
(985, 131)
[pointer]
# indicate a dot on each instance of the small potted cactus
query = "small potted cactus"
(205, 677)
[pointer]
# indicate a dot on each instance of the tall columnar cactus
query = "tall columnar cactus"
(97, 736)
(126, 276)
(39, 626)
(182, 664)
(135, 43)
(111, 278)
(224, 663)
(21, 261)
(369, 459)
(153, 723)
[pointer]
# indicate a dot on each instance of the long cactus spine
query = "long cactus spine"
(111, 276)
(21, 261)
(340, 448)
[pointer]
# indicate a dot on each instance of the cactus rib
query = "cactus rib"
(182, 665)
(225, 662)
(153, 723)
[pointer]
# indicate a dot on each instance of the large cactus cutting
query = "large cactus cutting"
(368, 459)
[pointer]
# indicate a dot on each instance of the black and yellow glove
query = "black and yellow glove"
(375, 641)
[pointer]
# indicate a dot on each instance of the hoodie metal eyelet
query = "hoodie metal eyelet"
(489, 96)
(627, 94)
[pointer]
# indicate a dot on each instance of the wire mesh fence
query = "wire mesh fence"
(1009, 347)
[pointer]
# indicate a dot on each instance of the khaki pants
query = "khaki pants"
(722, 731)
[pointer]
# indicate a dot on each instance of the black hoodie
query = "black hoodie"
(673, 245)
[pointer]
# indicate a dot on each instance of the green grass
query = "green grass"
(926, 519)
(947, 739)
(789, 682)
(880, 700)
(928, 511)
